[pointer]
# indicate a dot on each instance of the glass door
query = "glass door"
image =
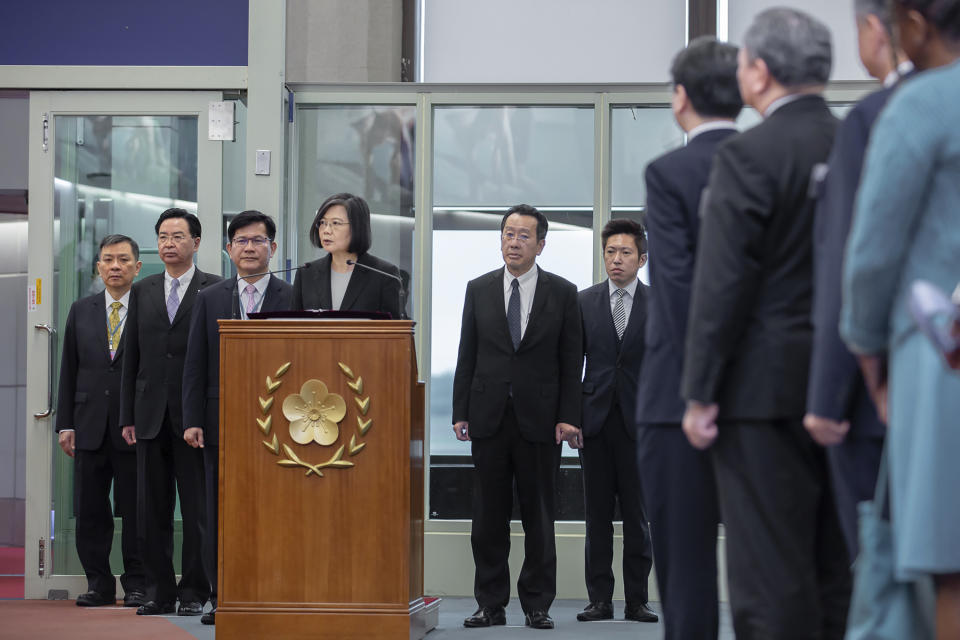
(100, 163)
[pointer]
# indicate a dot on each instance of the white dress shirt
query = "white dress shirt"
(184, 281)
(258, 295)
(528, 286)
(713, 125)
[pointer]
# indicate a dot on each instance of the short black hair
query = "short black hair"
(118, 238)
(628, 227)
(942, 14)
(707, 71)
(358, 214)
(248, 217)
(176, 212)
(527, 210)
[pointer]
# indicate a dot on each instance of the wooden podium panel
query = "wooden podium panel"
(305, 555)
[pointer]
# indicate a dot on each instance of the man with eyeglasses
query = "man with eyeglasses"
(516, 397)
(251, 245)
(155, 344)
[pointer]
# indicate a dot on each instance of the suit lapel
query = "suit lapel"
(358, 279)
(186, 303)
(606, 315)
(540, 296)
(494, 296)
(324, 295)
(638, 316)
(98, 312)
(271, 295)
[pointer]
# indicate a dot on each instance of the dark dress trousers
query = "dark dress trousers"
(366, 291)
(680, 493)
(609, 454)
(837, 389)
(89, 402)
(201, 387)
(513, 400)
(748, 349)
(151, 400)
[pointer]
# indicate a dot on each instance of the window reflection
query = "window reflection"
(368, 151)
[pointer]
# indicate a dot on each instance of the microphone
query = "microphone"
(400, 294)
(267, 273)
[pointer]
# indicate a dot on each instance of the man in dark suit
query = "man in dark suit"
(840, 413)
(155, 340)
(88, 406)
(516, 395)
(613, 314)
(749, 339)
(679, 490)
(251, 246)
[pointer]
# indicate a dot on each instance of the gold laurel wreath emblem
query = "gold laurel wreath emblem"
(289, 456)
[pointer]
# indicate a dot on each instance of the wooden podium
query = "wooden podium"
(322, 539)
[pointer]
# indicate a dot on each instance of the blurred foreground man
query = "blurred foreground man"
(749, 339)
(680, 492)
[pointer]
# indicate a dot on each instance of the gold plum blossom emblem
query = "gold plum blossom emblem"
(314, 414)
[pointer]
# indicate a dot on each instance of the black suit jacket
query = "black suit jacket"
(201, 368)
(613, 365)
(543, 373)
(749, 333)
(366, 291)
(675, 182)
(89, 397)
(155, 349)
(836, 388)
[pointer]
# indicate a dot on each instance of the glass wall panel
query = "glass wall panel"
(499, 156)
(365, 150)
(112, 174)
(487, 159)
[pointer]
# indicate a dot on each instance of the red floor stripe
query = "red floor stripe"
(47, 620)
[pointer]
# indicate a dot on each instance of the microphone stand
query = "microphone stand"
(400, 293)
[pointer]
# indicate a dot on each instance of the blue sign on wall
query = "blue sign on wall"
(124, 32)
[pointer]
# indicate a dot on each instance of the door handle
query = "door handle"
(51, 348)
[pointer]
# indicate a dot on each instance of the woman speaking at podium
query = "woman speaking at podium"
(348, 278)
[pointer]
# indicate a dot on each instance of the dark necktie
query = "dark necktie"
(513, 313)
(620, 314)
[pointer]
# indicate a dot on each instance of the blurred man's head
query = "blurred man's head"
(784, 52)
(875, 37)
(705, 83)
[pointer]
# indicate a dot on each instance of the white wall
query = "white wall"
(838, 16)
(550, 41)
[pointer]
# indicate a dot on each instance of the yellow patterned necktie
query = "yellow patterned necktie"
(114, 325)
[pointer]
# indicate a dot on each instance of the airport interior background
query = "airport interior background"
(441, 113)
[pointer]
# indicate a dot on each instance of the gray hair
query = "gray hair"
(794, 45)
(879, 8)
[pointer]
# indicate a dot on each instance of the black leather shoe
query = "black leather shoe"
(539, 620)
(640, 613)
(133, 598)
(486, 617)
(209, 617)
(596, 611)
(95, 599)
(154, 608)
(190, 609)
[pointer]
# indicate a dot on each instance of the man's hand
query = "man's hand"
(953, 357)
(571, 434)
(874, 370)
(194, 437)
(462, 430)
(67, 440)
(824, 431)
(129, 434)
(700, 423)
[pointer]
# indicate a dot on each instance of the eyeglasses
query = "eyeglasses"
(257, 241)
(522, 238)
(176, 237)
(334, 225)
